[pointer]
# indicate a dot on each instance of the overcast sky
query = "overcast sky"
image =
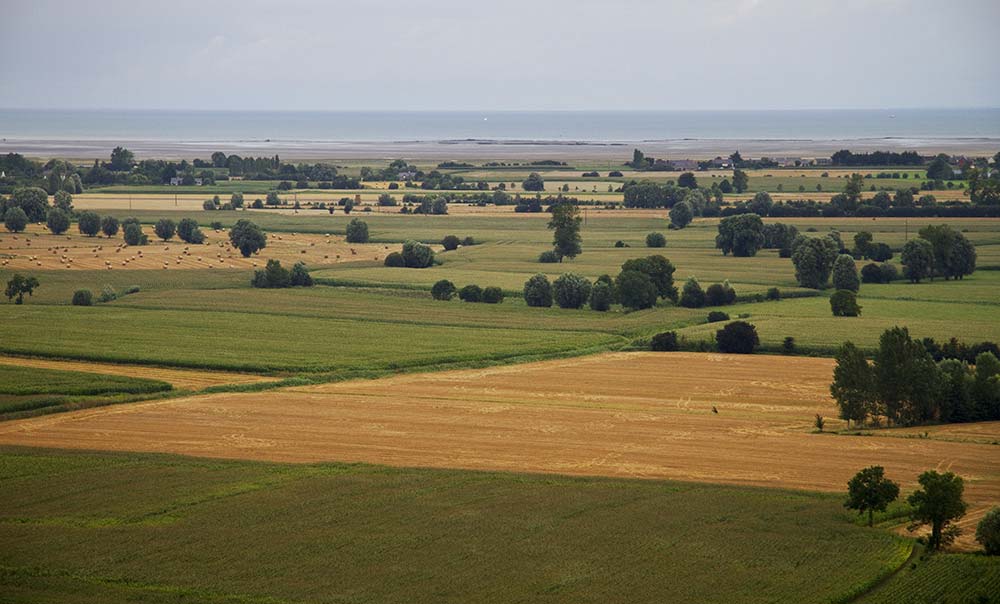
(507, 54)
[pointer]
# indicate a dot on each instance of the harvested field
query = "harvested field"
(38, 249)
(183, 379)
(641, 415)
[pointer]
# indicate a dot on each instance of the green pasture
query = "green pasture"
(99, 527)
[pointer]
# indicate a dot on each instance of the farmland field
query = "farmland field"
(358, 533)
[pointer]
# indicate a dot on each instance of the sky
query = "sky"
(499, 55)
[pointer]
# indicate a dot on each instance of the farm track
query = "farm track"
(642, 415)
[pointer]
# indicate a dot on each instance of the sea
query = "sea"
(597, 126)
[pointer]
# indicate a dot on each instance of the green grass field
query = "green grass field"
(91, 527)
(28, 389)
(944, 579)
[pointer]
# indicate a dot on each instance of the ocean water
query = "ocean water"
(587, 126)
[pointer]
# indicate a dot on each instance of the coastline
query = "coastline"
(493, 149)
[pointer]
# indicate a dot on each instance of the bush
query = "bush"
(844, 303)
(134, 235)
(636, 290)
(620, 243)
(417, 255)
(300, 276)
(492, 295)
(247, 237)
(442, 290)
(549, 257)
(656, 240)
(471, 293)
(468, 241)
(692, 295)
(83, 297)
(738, 337)
(188, 231)
(889, 273)
(57, 221)
(108, 294)
(89, 223)
(109, 226)
(602, 294)
(871, 273)
(357, 231)
(719, 294)
(788, 345)
(15, 220)
(208, 205)
(773, 293)
(988, 532)
(165, 228)
(571, 290)
(538, 291)
(681, 215)
(395, 260)
(450, 243)
(273, 276)
(131, 289)
(717, 315)
(665, 342)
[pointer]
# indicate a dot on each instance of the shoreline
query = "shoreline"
(494, 148)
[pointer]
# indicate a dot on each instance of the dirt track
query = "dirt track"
(619, 414)
(188, 379)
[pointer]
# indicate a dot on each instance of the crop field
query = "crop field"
(282, 533)
(645, 415)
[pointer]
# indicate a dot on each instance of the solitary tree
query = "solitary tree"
(681, 214)
(247, 237)
(534, 182)
(89, 223)
(740, 180)
(918, 260)
(15, 220)
(565, 224)
(417, 255)
(357, 231)
(938, 503)
(870, 491)
(538, 291)
(20, 285)
(845, 273)
(57, 221)
(738, 337)
(988, 532)
(165, 228)
(443, 290)
(844, 303)
(189, 232)
(853, 384)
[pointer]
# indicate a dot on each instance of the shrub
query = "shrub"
(188, 231)
(469, 241)
(273, 276)
(620, 243)
(165, 228)
(788, 345)
(108, 294)
(844, 303)
(601, 296)
(471, 293)
(665, 342)
(492, 295)
(300, 276)
(134, 235)
(692, 295)
(773, 293)
(131, 289)
(571, 290)
(636, 290)
(247, 237)
(57, 221)
(208, 205)
(215, 225)
(717, 315)
(719, 294)
(15, 220)
(89, 223)
(656, 240)
(538, 291)
(83, 297)
(357, 231)
(109, 226)
(889, 273)
(871, 273)
(880, 252)
(417, 255)
(988, 532)
(386, 200)
(442, 290)
(450, 243)
(738, 337)
(548, 257)
(845, 273)
(395, 260)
